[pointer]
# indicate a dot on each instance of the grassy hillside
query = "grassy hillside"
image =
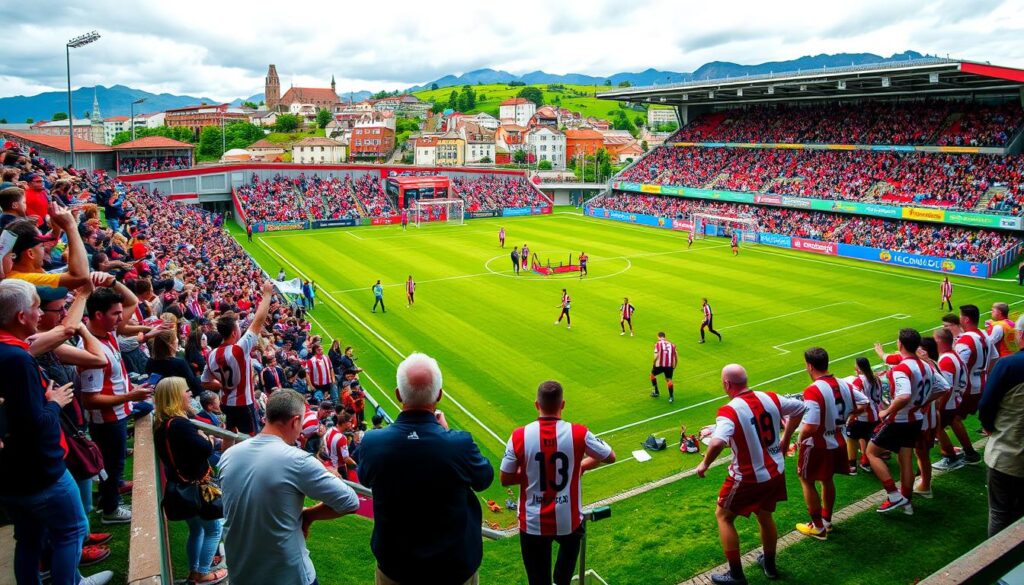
(579, 98)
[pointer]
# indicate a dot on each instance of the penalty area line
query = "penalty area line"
(380, 337)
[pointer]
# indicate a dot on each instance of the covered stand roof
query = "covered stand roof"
(933, 77)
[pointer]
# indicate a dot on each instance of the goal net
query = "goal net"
(440, 210)
(705, 225)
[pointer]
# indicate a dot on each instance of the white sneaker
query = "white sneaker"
(623, 333)
(631, 334)
(908, 509)
(568, 326)
(556, 322)
(101, 578)
(122, 515)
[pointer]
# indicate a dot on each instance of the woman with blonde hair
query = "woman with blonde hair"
(185, 451)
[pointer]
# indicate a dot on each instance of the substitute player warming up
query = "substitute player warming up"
(566, 303)
(410, 292)
(665, 359)
(708, 322)
(626, 316)
(749, 424)
(545, 459)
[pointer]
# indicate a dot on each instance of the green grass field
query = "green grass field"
(493, 336)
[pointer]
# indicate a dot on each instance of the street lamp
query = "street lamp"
(132, 121)
(75, 43)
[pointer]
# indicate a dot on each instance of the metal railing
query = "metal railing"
(591, 515)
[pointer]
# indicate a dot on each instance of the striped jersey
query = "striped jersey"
(410, 286)
(566, 301)
(583, 259)
(336, 445)
(952, 369)
(828, 403)
(231, 365)
(735, 240)
(665, 354)
(321, 370)
(707, 312)
(626, 310)
(872, 392)
(976, 351)
(916, 379)
(110, 380)
(947, 290)
(310, 423)
(750, 423)
(547, 453)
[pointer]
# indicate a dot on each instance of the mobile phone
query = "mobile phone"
(153, 379)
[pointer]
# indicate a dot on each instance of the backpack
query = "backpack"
(654, 443)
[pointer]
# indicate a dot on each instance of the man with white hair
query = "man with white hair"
(426, 517)
(36, 487)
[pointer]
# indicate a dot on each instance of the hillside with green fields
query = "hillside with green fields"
(579, 98)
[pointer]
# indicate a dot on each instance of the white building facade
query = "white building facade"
(545, 143)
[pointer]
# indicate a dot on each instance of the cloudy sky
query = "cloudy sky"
(221, 49)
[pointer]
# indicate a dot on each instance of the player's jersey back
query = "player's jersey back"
(829, 402)
(231, 365)
(976, 351)
(750, 423)
(665, 354)
(548, 453)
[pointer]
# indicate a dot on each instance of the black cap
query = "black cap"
(48, 294)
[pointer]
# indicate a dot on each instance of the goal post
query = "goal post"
(451, 211)
(705, 224)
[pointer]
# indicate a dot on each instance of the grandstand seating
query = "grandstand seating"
(492, 192)
(129, 165)
(905, 236)
(954, 123)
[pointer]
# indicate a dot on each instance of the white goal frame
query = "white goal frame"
(748, 233)
(455, 210)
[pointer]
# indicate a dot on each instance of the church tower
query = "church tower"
(272, 90)
(332, 85)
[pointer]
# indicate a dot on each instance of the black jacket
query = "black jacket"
(426, 517)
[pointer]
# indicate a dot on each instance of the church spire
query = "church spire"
(96, 107)
(332, 84)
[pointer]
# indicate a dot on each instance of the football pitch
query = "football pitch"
(493, 335)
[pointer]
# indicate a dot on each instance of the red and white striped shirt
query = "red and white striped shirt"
(231, 365)
(916, 379)
(707, 312)
(566, 300)
(665, 354)
(310, 423)
(872, 393)
(410, 286)
(336, 445)
(947, 290)
(750, 423)
(548, 453)
(976, 351)
(110, 380)
(627, 310)
(829, 402)
(952, 368)
(321, 370)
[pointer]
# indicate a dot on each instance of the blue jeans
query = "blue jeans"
(85, 488)
(112, 439)
(56, 515)
(203, 538)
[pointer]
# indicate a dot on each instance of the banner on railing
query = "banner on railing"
(481, 214)
(682, 225)
(777, 240)
(915, 213)
(933, 263)
(384, 220)
(331, 223)
(816, 246)
(279, 226)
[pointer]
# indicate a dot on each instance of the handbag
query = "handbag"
(186, 499)
(84, 459)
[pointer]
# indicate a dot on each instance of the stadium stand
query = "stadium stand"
(132, 165)
(938, 122)
(904, 236)
(493, 192)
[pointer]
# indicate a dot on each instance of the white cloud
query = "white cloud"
(221, 50)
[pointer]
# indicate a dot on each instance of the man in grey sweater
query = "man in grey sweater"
(265, 481)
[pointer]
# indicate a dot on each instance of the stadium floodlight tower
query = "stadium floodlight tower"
(79, 41)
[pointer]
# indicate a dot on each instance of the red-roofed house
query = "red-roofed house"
(373, 136)
(195, 118)
(265, 150)
(426, 150)
(298, 100)
(516, 111)
(584, 140)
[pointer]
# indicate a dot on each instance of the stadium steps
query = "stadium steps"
(950, 124)
(718, 179)
(988, 195)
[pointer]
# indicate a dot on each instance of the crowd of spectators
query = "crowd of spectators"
(942, 122)
(153, 288)
(491, 192)
(938, 240)
(149, 164)
(936, 179)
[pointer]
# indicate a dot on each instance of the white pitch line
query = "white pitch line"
(848, 327)
(744, 324)
(353, 234)
(383, 340)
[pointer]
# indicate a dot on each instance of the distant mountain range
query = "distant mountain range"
(116, 100)
(713, 70)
